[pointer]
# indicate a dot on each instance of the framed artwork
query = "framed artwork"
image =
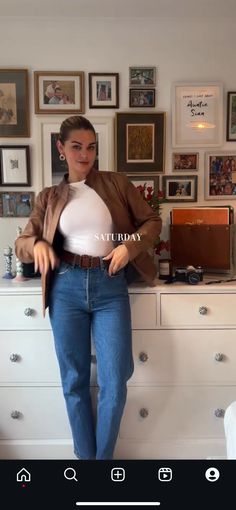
(149, 181)
(59, 92)
(14, 103)
(231, 117)
(142, 76)
(16, 204)
(220, 175)
(103, 90)
(54, 169)
(141, 98)
(185, 161)
(179, 188)
(140, 142)
(197, 114)
(14, 165)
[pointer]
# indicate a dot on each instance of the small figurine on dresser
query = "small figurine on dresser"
(8, 262)
(19, 265)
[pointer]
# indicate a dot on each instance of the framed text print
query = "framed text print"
(197, 114)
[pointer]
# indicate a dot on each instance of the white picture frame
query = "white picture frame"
(197, 114)
(104, 127)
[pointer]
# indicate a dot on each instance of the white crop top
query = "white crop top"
(83, 220)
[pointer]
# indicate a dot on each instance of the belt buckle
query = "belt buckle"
(85, 264)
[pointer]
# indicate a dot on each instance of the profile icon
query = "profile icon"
(212, 474)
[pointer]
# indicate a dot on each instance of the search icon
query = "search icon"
(70, 474)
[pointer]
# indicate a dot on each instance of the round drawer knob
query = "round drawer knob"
(15, 415)
(143, 412)
(29, 312)
(219, 356)
(14, 357)
(143, 357)
(219, 413)
(93, 359)
(203, 310)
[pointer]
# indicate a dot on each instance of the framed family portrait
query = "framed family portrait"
(14, 103)
(142, 76)
(179, 188)
(146, 182)
(140, 142)
(185, 161)
(141, 98)
(16, 204)
(220, 175)
(14, 165)
(103, 90)
(231, 117)
(53, 168)
(59, 92)
(197, 114)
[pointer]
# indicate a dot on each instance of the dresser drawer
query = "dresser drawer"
(42, 413)
(175, 412)
(184, 357)
(30, 357)
(198, 309)
(22, 312)
(143, 310)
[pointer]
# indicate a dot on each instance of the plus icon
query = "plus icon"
(118, 474)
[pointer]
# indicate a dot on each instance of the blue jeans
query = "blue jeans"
(84, 302)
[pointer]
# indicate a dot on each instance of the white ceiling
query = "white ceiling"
(119, 8)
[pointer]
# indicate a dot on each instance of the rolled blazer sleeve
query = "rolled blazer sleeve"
(24, 244)
(148, 222)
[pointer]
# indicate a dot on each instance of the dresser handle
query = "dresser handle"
(219, 413)
(143, 412)
(219, 356)
(29, 312)
(143, 357)
(203, 310)
(15, 415)
(93, 359)
(14, 357)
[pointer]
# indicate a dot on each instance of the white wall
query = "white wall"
(182, 49)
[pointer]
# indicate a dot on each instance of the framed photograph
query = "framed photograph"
(14, 165)
(231, 117)
(14, 103)
(140, 142)
(179, 188)
(142, 76)
(220, 175)
(197, 114)
(141, 98)
(16, 204)
(54, 169)
(59, 92)
(147, 181)
(185, 161)
(103, 90)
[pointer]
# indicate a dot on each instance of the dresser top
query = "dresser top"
(34, 286)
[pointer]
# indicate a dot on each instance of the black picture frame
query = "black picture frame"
(14, 103)
(140, 142)
(15, 165)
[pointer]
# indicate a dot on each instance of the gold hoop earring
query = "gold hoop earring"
(62, 157)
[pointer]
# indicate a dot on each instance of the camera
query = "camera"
(189, 274)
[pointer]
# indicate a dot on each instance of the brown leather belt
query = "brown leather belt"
(85, 261)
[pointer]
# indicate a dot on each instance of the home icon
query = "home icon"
(23, 476)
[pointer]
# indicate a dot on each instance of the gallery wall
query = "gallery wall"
(187, 49)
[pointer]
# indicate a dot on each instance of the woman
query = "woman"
(81, 235)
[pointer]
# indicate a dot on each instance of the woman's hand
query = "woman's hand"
(119, 258)
(44, 256)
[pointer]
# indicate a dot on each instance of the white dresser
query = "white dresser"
(184, 345)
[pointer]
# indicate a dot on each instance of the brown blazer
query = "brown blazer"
(129, 212)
